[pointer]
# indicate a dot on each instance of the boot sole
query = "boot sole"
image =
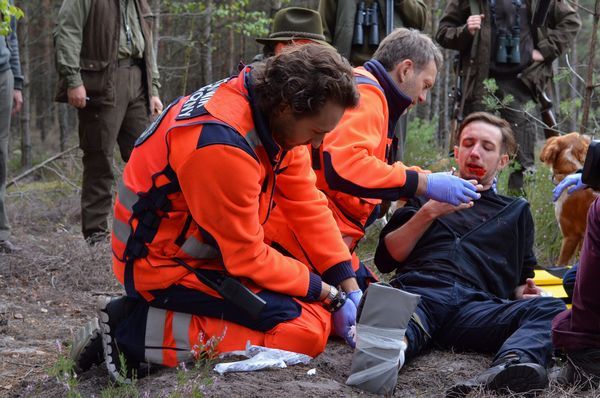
(87, 346)
(107, 343)
(519, 378)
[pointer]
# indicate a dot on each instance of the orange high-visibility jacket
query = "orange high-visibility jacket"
(200, 184)
(353, 165)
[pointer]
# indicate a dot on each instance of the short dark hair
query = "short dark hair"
(411, 44)
(509, 144)
(304, 77)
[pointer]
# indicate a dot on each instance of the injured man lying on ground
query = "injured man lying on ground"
(473, 266)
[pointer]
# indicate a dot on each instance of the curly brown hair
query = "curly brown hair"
(304, 77)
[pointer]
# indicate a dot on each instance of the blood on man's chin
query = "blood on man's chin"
(478, 171)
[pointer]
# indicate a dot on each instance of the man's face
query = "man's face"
(479, 154)
(290, 131)
(415, 83)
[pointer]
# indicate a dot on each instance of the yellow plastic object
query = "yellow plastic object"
(544, 278)
(551, 284)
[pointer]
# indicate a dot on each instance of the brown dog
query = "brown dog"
(566, 154)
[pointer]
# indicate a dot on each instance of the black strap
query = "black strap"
(229, 288)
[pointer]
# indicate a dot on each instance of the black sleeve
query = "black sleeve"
(591, 168)
(383, 260)
(529, 259)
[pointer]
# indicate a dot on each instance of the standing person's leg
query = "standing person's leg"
(579, 328)
(137, 116)
(522, 127)
(569, 280)
(577, 331)
(98, 130)
(6, 100)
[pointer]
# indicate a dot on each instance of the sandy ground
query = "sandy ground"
(48, 290)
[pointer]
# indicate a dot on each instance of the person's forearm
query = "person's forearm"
(422, 184)
(155, 75)
(402, 241)
(349, 285)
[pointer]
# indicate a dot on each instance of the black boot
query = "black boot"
(86, 350)
(119, 362)
(582, 369)
(508, 376)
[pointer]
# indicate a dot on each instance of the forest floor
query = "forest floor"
(48, 290)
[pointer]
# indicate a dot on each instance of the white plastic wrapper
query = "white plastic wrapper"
(263, 358)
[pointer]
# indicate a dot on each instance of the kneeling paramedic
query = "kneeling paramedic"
(188, 242)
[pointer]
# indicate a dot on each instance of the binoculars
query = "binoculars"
(508, 47)
(366, 17)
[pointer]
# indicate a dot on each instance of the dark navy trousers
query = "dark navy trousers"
(454, 314)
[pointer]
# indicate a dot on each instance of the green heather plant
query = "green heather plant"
(64, 372)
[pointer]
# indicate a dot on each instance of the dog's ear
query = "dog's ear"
(581, 147)
(586, 138)
(550, 150)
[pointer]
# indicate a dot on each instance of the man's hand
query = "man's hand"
(474, 23)
(528, 290)
(77, 96)
(156, 106)
(444, 187)
(437, 209)
(17, 101)
(573, 181)
(537, 56)
(344, 319)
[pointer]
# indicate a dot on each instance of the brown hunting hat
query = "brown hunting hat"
(295, 23)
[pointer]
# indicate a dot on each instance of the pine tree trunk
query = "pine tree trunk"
(156, 27)
(230, 48)
(573, 88)
(589, 81)
(275, 6)
(25, 114)
(444, 112)
(63, 124)
(206, 48)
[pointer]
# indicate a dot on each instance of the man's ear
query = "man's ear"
(403, 69)
(455, 152)
(503, 161)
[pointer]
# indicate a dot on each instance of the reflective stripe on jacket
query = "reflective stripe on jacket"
(198, 187)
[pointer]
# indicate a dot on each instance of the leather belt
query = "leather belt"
(127, 62)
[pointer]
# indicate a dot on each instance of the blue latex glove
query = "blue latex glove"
(343, 319)
(444, 187)
(355, 296)
(571, 179)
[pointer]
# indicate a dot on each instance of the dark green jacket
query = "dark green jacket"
(87, 40)
(552, 40)
(338, 24)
